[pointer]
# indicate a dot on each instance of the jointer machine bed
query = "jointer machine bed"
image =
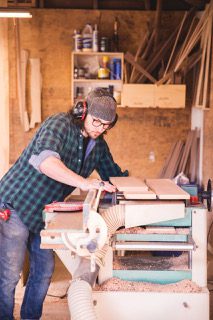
(147, 233)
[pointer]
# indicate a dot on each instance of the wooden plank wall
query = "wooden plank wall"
(4, 97)
(48, 36)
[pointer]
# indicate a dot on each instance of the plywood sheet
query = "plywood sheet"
(148, 212)
(167, 189)
(129, 184)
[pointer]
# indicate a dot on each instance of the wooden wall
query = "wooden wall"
(4, 98)
(48, 35)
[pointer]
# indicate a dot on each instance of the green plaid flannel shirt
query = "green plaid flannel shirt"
(28, 190)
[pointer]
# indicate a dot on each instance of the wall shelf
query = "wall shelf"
(84, 74)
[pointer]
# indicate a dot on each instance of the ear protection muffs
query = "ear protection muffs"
(80, 109)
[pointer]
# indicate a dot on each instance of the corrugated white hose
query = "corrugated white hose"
(80, 301)
(80, 291)
(114, 218)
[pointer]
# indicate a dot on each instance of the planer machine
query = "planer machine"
(134, 236)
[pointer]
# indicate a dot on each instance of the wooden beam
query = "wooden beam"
(164, 47)
(140, 49)
(157, 22)
(175, 44)
(130, 58)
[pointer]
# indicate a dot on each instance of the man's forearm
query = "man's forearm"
(55, 169)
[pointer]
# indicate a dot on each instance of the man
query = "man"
(63, 153)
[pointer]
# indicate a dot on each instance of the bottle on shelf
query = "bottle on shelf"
(87, 38)
(115, 37)
(115, 69)
(103, 71)
(77, 40)
(104, 44)
(95, 39)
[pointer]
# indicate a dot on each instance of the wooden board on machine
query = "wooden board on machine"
(135, 188)
(167, 189)
(129, 184)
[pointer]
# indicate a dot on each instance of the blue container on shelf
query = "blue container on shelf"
(115, 69)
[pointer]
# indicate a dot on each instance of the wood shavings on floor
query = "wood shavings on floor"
(116, 284)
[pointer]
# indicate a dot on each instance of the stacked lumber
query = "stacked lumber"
(183, 157)
(187, 49)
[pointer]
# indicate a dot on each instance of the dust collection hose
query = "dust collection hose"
(80, 300)
(80, 292)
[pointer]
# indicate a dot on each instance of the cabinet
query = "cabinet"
(84, 73)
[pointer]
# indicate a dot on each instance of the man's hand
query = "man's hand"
(55, 169)
(97, 184)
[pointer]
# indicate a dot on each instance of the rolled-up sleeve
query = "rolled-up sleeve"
(36, 160)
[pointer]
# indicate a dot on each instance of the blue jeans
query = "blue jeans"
(15, 238)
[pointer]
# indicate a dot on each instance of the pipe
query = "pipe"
(80, 301)
(80, 291)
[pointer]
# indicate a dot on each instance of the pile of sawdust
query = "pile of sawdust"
(116, 284)
(141, 261)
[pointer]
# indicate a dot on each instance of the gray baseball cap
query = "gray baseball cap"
(101, 104)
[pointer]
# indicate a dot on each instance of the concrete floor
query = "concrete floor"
(55, 306)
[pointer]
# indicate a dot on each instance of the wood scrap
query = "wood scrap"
(35, 92)
(183, 51)
(183, 158)
(171, 167)
(167, 160)
(201, 72)
(163, 48)
(140, 49)
(157, 22)
(130, 58)
(175, 44)
(21, 80)
(186, 152)
(194, 154)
